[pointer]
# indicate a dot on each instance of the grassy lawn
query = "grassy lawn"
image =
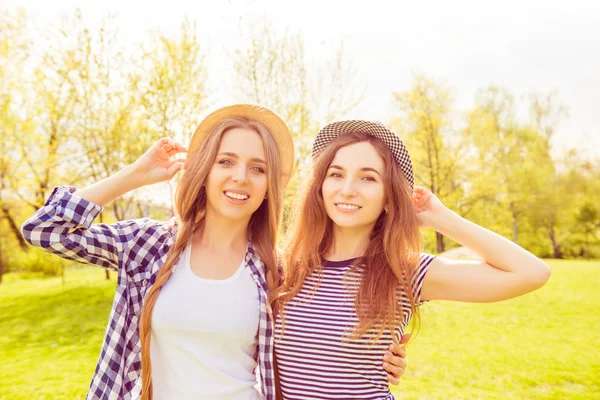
(542, 346)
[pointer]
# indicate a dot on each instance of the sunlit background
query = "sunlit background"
(498, 104)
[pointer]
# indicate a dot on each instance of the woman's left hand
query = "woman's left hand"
(428, 207)
(394, 362)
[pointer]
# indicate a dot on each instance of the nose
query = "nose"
(348, 189)
(240, 174)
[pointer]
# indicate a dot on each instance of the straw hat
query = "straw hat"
(278, 128)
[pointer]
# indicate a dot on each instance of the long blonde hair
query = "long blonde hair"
(190, 208)
(390, 259)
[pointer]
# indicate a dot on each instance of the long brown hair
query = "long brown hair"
(190, 208)
(389, 262)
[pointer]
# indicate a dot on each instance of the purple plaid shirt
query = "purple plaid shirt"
(135, 249)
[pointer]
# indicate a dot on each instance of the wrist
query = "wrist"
(131, 177)
(446, 222)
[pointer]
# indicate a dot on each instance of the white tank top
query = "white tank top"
(204, 335)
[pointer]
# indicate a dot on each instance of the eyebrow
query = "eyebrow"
(233, 155)
(365, 169)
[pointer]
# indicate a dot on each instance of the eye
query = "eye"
(370, 179)
(226, 161)
(335, 175)
(260, 170)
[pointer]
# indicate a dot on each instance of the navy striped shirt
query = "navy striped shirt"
(316, 356)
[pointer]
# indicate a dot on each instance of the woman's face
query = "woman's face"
(237, 183)
(353, 189)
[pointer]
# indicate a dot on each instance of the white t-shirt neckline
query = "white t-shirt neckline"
(187, 257)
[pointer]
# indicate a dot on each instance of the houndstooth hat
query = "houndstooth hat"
(377, 129)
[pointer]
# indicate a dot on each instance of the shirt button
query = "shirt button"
(144, 282)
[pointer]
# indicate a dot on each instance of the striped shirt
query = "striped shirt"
(135, 249)
(316, 356)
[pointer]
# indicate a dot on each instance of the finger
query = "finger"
(177, 160)
(158, 144)
(396, 372)
(167, 146)
(179, 146)
(418, 190)
(400, 351)
(175, 167)
(405, 338)
(163, 141)
(392, 380)
(173, 148)
(174, 151)
(397, 361)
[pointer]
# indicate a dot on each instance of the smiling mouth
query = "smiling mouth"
(347, 207)
(236, 196)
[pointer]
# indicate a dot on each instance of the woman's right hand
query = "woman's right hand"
(155, 165)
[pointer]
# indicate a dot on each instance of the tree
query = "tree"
(45, 138)
(546, 113)
(588, 222)
(511, 159)
(172, 76)
(14, 49)
(272, 70)
(435, 147)
(106, 103)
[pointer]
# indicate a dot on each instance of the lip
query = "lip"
(345, 210)
(236, 201)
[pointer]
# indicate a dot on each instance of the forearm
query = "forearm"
(111, 188)
(496, 250)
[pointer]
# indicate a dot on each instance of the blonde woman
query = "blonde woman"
(190, 317)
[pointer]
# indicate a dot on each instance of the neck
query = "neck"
(221, 233)
(348, 243)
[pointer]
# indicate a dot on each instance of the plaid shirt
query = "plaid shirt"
(135, 249)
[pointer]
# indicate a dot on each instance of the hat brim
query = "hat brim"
(278, 128)
(378, 130)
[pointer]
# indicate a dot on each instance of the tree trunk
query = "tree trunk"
(14, 228)
(440, 242)
(555, 245)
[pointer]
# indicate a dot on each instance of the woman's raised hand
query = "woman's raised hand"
(429, 208)
(155, 165)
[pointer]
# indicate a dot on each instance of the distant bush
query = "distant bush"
(36, 262)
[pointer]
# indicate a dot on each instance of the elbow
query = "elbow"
(27, 230)
(34, 234)
(539, 276)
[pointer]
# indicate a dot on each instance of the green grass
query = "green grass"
(544, 345)
(540, 346)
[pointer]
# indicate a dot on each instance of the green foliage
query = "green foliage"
(37, 262)
(75, 107)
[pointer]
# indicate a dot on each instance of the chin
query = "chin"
(346, 222)
(237, 213)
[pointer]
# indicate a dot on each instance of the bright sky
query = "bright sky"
(522, 45)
